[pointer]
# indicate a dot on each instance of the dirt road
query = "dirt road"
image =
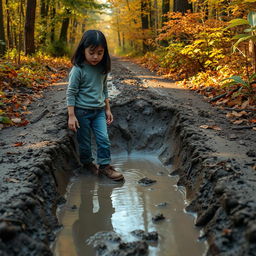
(215, 165)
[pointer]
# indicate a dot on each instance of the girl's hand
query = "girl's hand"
(73, 123)
(109, 117)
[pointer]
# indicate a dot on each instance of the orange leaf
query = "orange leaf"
(245, 104)
(239, 121)
(12, 180)
(226, 231)
(214, 127)
(23, 123)
(18, 144)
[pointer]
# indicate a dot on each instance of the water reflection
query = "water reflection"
(106, 206)
(95, 213)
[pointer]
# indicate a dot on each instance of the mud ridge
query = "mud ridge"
(33, 180)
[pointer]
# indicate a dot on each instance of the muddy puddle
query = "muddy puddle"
(97, 204)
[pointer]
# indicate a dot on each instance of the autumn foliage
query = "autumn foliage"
(22, 84)
(196, 52)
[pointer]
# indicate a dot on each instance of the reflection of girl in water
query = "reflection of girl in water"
(95, 214)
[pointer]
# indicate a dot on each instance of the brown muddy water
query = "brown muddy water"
(97, 204)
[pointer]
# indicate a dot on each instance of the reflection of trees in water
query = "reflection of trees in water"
(95, 213)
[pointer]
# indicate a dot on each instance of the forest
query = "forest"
(204, 45)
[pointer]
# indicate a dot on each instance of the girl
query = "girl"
(88, 103)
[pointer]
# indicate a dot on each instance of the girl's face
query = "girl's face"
(94, 55)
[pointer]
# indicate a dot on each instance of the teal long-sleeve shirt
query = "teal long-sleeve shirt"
(87, 87)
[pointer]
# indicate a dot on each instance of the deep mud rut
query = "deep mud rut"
(150, 209)
(151, 114)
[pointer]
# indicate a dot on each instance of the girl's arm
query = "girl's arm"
(108, 112)
(72, 90)
(72, 121)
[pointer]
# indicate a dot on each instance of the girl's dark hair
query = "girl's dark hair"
(92, 38)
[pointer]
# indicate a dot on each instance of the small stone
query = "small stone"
(74, 207)
(146, 181)
(206, 216)
(232, 137)
(7, 231)
(229, 203)
(134, 248)
(251, 234)
(219, 189)
(148, 236)
(158, 217)
(251, 153)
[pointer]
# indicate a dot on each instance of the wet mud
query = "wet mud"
(151, 114)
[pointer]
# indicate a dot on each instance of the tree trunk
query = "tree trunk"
(2, 35)
(118, 31)
(52, 33)
(30, 27)
(73, 32)
(123, 42)
(8, 28)
(64, 27)
(165, 10)
(43, 13)
(157, 19)
(144, 22)
(182, 6)
(252, 54)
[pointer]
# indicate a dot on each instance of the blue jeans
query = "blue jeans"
(93, 120)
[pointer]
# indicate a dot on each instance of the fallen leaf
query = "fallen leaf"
(226, 231)
(252, 121)
(26, 102)
(18, 144)
(214, 127)
(23, 123)
(217, 128)
(239, 114)
(239, 121)
(245, 104)
(204, 126)
(229, 115)
(12, 153)
(234, 102)
(16, 120)
(12, 180)
(23, 134)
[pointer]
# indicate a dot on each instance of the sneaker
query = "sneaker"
(111, 173)
(92, 168)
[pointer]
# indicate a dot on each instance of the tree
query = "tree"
(165, 10)
(181, 6)
(30, 27)
(144, 21)
(44, 8)
(64, 26)
(2, 36)
(8, 27)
